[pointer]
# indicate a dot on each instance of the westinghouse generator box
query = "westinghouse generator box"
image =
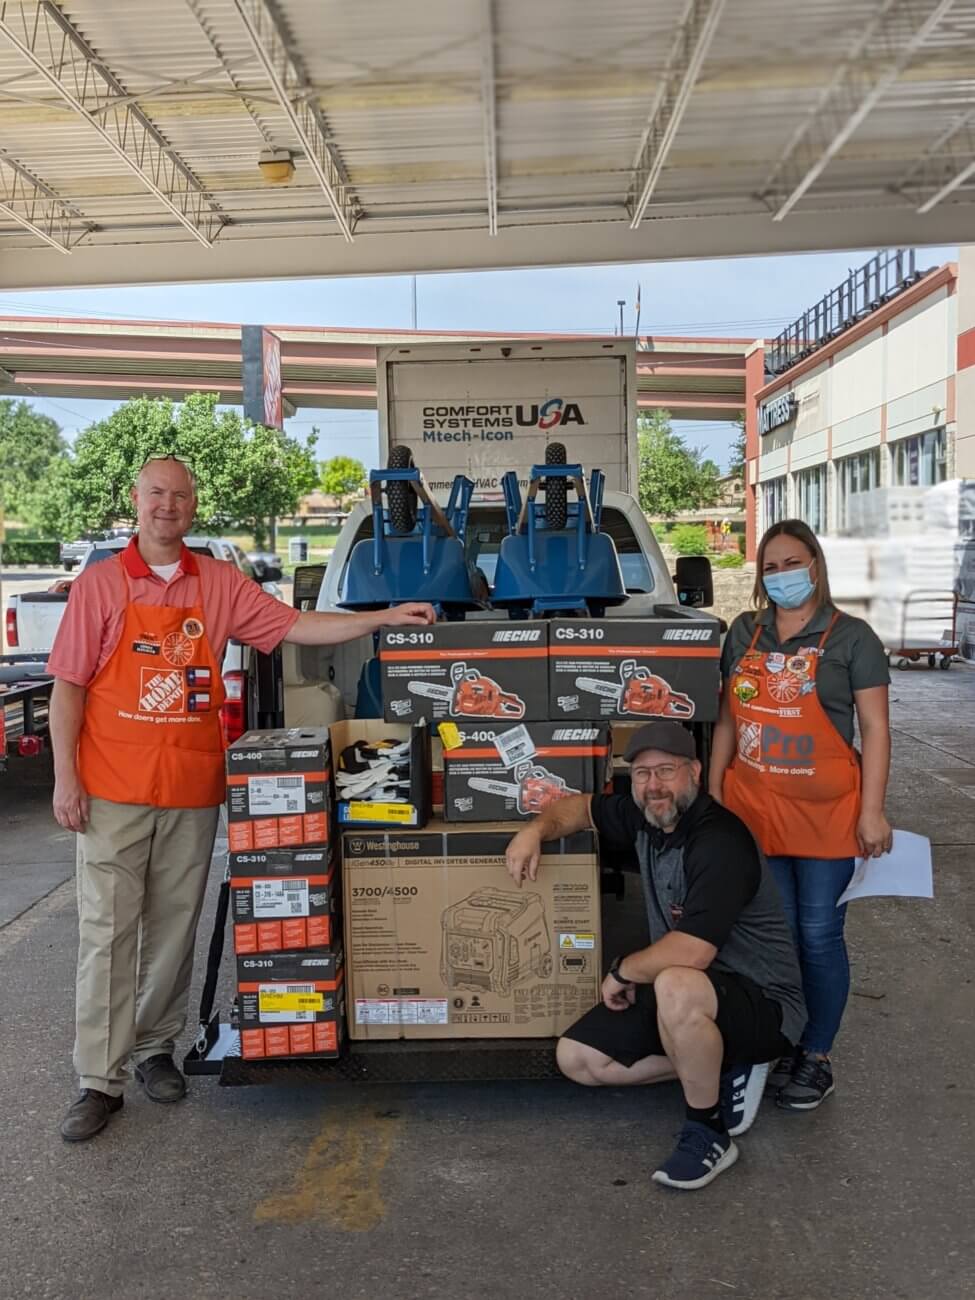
(282, 912)
(634, 669)
(465, 670)
(440, 942)
(290, 1004)
(496, 773)
(278, 789)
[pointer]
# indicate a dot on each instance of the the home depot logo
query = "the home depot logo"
(688, 634)
(161, 692)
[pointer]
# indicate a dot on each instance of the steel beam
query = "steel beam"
(489, 112)
(51, 45)
(684, 64)
(855, 89)
(946, 164)
(297, 98)
(38, 209)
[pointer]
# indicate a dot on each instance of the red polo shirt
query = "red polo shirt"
(233, 606)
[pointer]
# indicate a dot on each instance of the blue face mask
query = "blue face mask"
(791, 589)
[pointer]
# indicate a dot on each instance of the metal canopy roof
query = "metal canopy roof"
(449, 134)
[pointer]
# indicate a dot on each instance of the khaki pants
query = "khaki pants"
(142, 872)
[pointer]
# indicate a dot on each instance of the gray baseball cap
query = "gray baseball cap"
(668, 737)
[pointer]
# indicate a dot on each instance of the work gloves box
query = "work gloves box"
(635, 669)
(278, 789)
(382, 773)
(441, 943)
(494, 670)
(498, 773)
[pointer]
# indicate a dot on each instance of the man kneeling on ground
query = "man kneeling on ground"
(717, 994)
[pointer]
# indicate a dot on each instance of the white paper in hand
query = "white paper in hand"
(904, 872)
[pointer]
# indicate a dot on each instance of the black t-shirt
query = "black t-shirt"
(722, 868)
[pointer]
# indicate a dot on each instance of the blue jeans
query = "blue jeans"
(809, 889)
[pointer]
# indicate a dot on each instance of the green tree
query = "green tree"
(342, 476)
(244, 475)
(736, 461)
(29, 442)
(673, 476)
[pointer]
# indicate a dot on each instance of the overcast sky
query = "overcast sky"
(748, 297)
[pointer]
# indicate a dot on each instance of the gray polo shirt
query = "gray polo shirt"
(853, 658)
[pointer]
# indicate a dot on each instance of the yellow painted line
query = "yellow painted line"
(340, 1180)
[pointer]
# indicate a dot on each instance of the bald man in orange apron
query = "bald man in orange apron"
(139, 774)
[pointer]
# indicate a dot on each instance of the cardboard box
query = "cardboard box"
(278, 789)
(360, 812)
(275, 913)
(440, 943)
(291, 1004)
(476, 669)
(506, 773)
(634, 669)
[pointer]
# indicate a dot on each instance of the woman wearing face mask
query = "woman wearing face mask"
(795, 673)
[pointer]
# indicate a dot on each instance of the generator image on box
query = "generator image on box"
(493, 940)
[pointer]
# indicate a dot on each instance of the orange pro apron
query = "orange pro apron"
(793, 780)
(151, 731)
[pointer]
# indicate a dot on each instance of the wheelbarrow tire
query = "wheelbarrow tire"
(400, 496)
(556, 490)
(945, 663)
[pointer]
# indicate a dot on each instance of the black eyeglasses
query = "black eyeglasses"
(168, 455)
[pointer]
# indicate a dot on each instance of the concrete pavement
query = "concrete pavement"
(513, 1191)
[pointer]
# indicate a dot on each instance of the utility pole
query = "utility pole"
(621, 303)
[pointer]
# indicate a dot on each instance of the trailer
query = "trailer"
(25, 693)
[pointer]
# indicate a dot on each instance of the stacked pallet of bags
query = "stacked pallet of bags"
(951, 506)
(849, 565)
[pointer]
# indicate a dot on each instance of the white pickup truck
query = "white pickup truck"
(33, 619)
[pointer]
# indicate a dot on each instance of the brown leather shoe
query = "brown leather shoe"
(160, 1079)
(89, 1115)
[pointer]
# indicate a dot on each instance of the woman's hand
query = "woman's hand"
(874, 834)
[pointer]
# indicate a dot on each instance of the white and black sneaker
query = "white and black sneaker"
(700, 1155)
(810, 1085)
(741, 1092)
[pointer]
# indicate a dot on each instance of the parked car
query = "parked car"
(267, 565)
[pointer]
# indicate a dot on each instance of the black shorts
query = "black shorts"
(749, 1022)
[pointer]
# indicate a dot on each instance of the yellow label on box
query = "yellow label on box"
(275, 1001)
(450, 735)
(360, 811)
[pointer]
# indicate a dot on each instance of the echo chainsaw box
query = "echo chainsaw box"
(488, 670)
(278, 789)
(290, 1003)
(382, 773)
(494, 773)
(440, 942)
(635, 669)
(275, 912)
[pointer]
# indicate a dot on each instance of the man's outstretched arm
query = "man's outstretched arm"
(563, 817)
(311, 628)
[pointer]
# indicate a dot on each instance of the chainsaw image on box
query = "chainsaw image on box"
(493, 940)
(536, 788)
(471, 695)
(640, 692)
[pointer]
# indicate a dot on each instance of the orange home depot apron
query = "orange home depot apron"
(794, 781)
(151, 732)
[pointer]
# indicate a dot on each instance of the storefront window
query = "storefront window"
(855, 474)
(811, 497)
(920, 461)
(774, 501)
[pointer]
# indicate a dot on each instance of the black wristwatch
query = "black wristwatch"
(614, 970)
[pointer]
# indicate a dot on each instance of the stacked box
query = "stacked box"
(284, 894)
(495, 773)
(489, 670)
(443, 944)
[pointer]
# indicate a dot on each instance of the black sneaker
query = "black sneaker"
(781, 1071)
(700, 1155)
(741, 1092)
(810, 1085)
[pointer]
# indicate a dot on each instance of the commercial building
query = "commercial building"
(873, 387)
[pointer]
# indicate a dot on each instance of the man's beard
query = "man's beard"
(679, 804)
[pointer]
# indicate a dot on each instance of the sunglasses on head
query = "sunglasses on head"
(168, 455)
